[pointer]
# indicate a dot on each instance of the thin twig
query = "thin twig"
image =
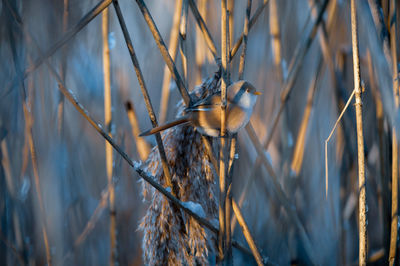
(90, 225)
(360, 139)
(145, 93)
(245, 33)
(109, 150)
(172, 49)
(246, 233)
(329, 137)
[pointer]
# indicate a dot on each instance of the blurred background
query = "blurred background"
(53, 173)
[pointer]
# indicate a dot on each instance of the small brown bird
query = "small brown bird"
(205, 115)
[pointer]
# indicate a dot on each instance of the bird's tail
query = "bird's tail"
(182, 120)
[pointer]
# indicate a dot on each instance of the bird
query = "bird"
(205, 114)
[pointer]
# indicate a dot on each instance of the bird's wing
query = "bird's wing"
(206, 104)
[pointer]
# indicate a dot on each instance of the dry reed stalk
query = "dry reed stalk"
(29, 124)
(245, 33)
(141, 145)
(206, 33)
(382, 195)
(394, 216)
(298, 153)
(252, 21)
(228, 199)
(182, 41)
(324, 40)
(108, 124)
(240, 77)
(276, 38)
(29, 132)
(231, 10)
(90, 225)
(60, 106)
(381, 28)
(395, 147)
(173, 45)
(6, 164)
(164, 51)
(223, 149)
(145, 93)
(360, 139)
(247, 234)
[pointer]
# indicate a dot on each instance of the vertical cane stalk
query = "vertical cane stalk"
(360, 140)
(222, 167)
(108, 121)
(395, 156)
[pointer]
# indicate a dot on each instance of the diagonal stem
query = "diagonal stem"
(281, 194)
(245, 33)
(205, 31)
(145, 93)
(246, 233)
(68, 36)
(253, 20)
(164, 52)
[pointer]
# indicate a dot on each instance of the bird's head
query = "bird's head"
(243, 93)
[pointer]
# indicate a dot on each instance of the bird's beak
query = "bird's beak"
(257, 93)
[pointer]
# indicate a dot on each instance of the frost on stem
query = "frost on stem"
(171, 236)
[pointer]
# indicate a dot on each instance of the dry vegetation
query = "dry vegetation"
(312, 179)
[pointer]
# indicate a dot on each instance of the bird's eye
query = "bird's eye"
(247, 90)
